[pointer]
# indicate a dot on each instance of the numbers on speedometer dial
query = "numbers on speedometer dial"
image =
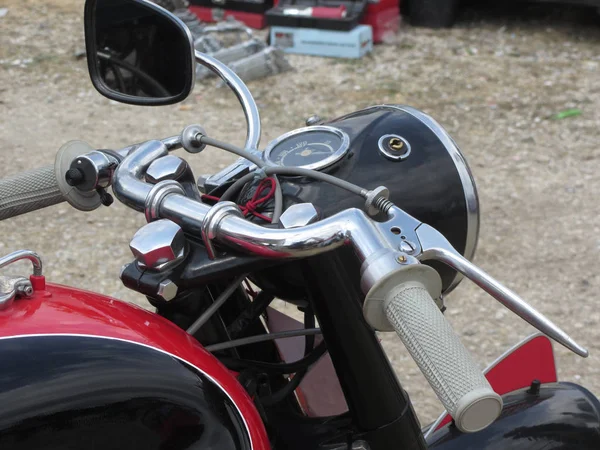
(304, 153)
(311, 147)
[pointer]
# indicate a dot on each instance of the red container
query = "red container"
(384, 21)
(205, 14)
(374, 6)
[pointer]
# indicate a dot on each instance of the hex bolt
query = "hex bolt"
(159, 245)
(299, 215)
(169, 167)
(167, 290)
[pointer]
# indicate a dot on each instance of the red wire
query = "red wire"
(256, 200)
(251, 206)
(210, 197)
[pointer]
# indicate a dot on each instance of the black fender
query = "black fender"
(561, 416)
(96, 393)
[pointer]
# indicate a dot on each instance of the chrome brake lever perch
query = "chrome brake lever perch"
(434, 246)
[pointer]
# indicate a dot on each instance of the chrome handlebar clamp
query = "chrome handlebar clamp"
(156, 195)
(211, 221)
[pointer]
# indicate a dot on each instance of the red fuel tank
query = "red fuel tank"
(82, 364)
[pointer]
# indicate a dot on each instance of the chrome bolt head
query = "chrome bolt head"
(159, 245)
(167, 290)
(299, 215)
(169, 167)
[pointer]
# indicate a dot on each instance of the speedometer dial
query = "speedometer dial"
(311, 148)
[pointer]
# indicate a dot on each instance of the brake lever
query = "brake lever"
(434, 246)
(426, 243)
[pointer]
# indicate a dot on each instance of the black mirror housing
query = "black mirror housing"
(138, 53)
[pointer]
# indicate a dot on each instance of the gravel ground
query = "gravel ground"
(493, 81)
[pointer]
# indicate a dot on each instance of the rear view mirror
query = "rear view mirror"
(138, 53)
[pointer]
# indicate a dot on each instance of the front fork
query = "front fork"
(380, 409)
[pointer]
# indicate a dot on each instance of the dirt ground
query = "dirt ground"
(494, 81)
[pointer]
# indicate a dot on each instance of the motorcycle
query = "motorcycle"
(311, 220)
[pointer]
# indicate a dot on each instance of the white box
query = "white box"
(337, 44)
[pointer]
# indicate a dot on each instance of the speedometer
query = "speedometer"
(313, 147)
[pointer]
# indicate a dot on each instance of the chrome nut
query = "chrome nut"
(159, 245)
(167, 290)
(299, 215)
(168, 167)
(190, 138)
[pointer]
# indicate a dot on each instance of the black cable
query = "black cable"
(233, 190)
(292, 385)
(282, 393)
(309, 322)
(249, 340)
(256, 160)
(236, 187)
(276, 368)
(250, 314)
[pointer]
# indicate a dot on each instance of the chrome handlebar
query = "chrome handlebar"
(378, 245)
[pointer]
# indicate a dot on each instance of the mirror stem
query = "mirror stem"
(241, 92)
